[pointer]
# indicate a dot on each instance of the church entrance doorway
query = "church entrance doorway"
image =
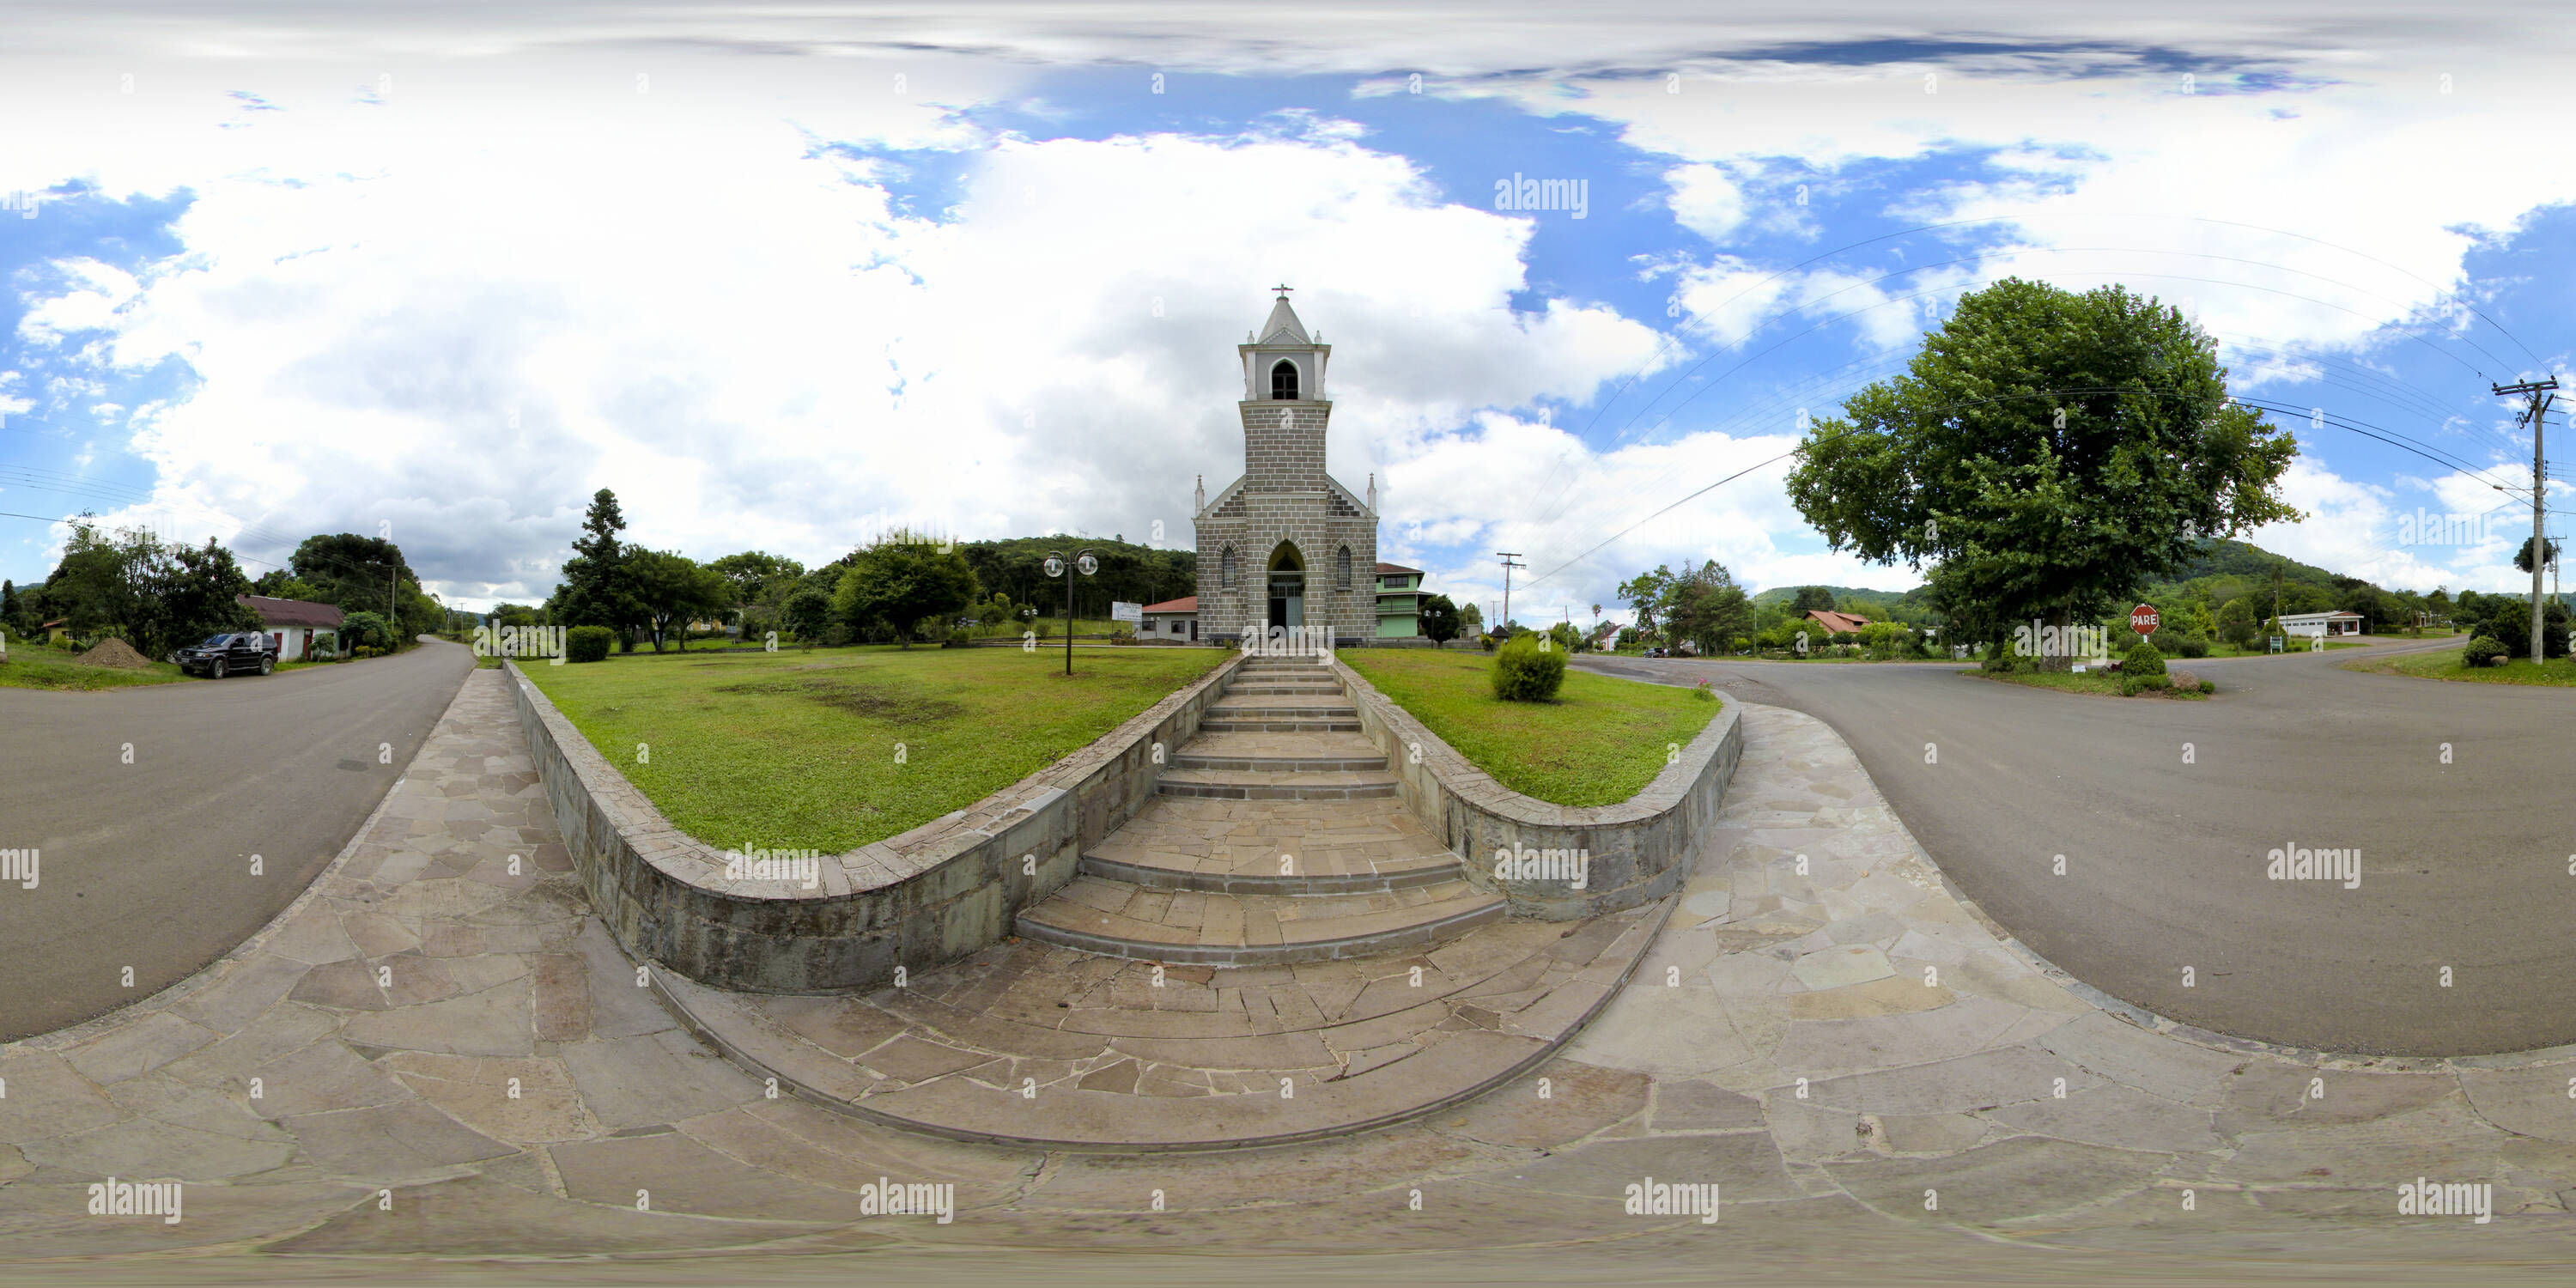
(1287, 588)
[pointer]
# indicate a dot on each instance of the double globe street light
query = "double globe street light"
(1088, 565)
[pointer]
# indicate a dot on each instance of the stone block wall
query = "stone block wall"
(941, 891)
(1639, 849)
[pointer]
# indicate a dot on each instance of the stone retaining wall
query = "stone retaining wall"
(945, 889)
(1637, 850)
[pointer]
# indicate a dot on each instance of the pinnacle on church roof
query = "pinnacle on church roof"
(1283, 326)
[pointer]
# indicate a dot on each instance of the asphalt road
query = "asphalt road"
(147, 865)
(2468, 865)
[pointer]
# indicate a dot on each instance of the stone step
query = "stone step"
(1291, 687)
(1276, 784)
(1129, 1057)
(1272, 847)
(1274, 706)
(1278, 752)
(1192, 927)
(1349, 723)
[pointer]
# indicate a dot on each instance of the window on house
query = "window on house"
(1342, 569)
(1283, 381)
(1228, 582)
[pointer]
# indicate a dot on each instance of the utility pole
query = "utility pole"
(1510, 558)
(2539, 392)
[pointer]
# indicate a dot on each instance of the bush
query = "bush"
(2209, 686)
(588, 643)
(1704, 693)
(365, 651)
(1524, 672)
(2143, 660)
(2179, 644)
(1487, 641)
(2133, 685)
(962, 638)
(2485, 650)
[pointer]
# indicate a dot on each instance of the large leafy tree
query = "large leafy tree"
(1439, 619)
(2051, 452)
(202, 596)
(674, 590)
(1708, 608)
(1810, 599)
(901, 580)
(1646, 593)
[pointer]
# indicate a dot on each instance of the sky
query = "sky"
(784, 280)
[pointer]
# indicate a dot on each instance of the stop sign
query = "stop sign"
(2144, 619)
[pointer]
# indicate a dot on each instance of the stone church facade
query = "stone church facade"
(1286, 544)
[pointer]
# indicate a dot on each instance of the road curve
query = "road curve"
(2460, 798)
(147, 864)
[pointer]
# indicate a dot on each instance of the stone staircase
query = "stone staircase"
(1273, 949)
(1276, 838)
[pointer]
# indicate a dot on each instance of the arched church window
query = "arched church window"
(1283, 381)
(1228, 583)
(1342, 569)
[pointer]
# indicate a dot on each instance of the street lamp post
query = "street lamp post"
(1056, 566)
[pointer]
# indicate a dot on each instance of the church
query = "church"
(1286, 545)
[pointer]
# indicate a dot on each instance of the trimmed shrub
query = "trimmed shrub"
(2485, 650)
(2209, 686)
(2143, 660)
(588, 643)
(2133, 685)
(1524, 672)
(1487, 641)
(966, 639)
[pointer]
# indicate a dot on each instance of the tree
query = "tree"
(806, 612)
(2236, 622)
(597, 589)
(2054, 452)
(1811, 599)
(1707, 608)
(367, 628)
(901, 580)
(1439, 619)
(2522, 563)
(202, 596)
(111, 584)
(757, 577)
(282, 583)
(1646, 593)
(1471, 619)
(673, 591)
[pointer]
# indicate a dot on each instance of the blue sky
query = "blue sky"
(784, 303)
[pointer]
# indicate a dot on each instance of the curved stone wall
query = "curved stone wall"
(945, 889)
(1635, 851)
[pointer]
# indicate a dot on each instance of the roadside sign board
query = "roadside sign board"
(1125, 612)
(2144, 619)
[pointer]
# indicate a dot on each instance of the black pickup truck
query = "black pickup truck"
(223, 655)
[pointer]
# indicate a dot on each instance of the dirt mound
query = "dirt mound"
(114, 652)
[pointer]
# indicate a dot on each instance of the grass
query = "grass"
(1600, 742)
(791, 750)
(2445, 664)
(29, 668)
(2096, 682)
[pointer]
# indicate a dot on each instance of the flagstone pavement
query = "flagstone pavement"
(439, 1053)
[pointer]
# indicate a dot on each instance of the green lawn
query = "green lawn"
(2106, 684)
(796, 750)
(2445, 664)
(29, 668)
(1600, 742)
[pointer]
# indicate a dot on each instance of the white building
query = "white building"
(1173, 619)
(295, 626)
(2307, 624)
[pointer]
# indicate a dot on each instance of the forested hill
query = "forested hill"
(1132, 573)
